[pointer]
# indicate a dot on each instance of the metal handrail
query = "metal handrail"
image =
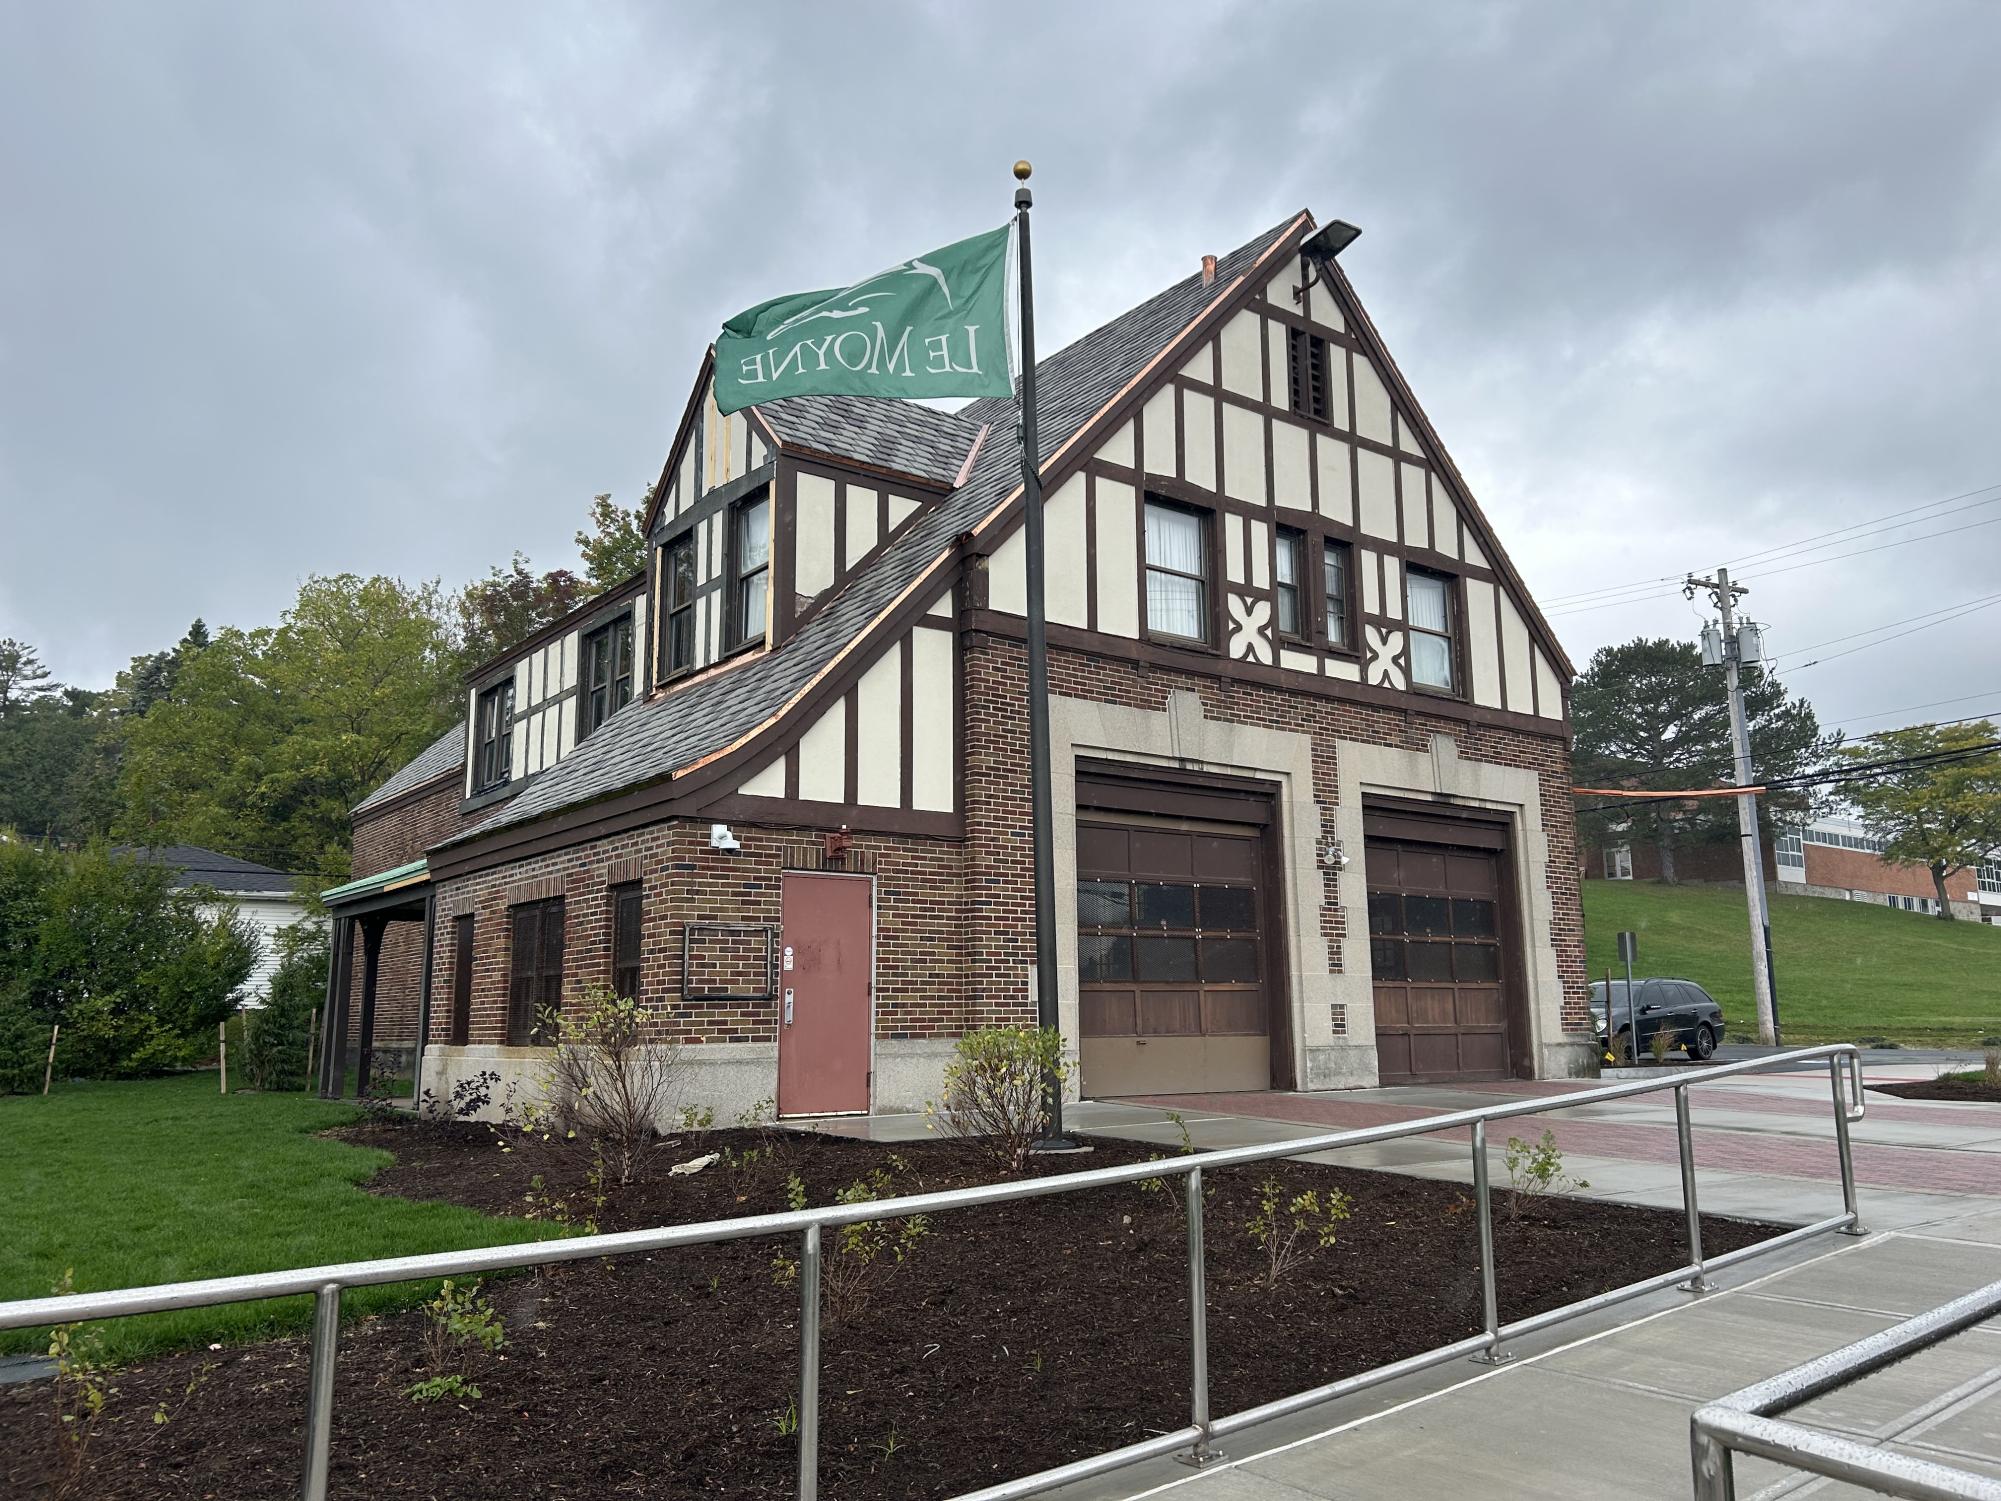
(326, 1283)
(1747, 1421)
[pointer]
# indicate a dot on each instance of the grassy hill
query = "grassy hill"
(1846, 970)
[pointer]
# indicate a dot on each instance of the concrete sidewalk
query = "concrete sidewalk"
(1600, 1407)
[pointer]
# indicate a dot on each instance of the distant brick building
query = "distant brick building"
(1310, 738)
(1830, 857)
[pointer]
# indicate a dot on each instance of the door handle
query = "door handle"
(788, 1005)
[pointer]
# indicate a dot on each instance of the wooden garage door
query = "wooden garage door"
(1436, 954)
(1171, 957)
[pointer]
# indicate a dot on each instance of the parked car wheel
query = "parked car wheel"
(1704, 1044)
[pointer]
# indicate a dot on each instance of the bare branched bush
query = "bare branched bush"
(607, 1086)
(994, 1090)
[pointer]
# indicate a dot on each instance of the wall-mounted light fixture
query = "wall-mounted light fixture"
(720, 838)
(1336, 857)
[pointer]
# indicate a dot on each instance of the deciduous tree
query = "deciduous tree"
(613, 547)
(271, 736)
(1942, 813)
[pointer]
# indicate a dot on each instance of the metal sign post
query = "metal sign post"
(1629, 950)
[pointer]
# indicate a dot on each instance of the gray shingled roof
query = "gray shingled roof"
(894, 435)
(200, 867)
(650, 740)
(444, 754)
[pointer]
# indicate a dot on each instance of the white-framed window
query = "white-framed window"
(1990, 878)
(1177, 572)
(1619, 863)
(1430, 622)
(1789, 848)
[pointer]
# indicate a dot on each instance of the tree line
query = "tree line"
(1647, 715)
(257, 741)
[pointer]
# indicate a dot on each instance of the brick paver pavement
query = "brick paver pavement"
(1721, 1147)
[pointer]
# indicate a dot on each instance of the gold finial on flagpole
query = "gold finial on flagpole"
(1021, 171)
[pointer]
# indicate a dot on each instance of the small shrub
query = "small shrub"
(1661, 1045)
(460, 1330)
(697, 1117)
(994, 1089)
(787, 1422)
(81, 1391)
(863, 1256)
(577, 1213)
(470, 1096)
(1289, 1231)
(1535, 1170)
(607, 1085)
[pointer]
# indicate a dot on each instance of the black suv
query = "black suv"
(1680, 1008)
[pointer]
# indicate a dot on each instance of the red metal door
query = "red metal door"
(823, 998)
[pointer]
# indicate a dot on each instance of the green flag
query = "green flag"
(934, 325)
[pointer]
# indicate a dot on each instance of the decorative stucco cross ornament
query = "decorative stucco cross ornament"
(1250, 638)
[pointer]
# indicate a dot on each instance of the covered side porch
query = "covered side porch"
(376, 1020)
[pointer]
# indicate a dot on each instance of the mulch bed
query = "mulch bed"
(1974, 1091)
(1012, 1339)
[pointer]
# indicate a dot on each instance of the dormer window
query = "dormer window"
(750, 567)
(678, 605)
(493, 744)
(607, 673)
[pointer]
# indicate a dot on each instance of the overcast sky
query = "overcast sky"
(392, 288)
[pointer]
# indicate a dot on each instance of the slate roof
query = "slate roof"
(200, 867)
(894, 435)
(444, 754)
(650, 740)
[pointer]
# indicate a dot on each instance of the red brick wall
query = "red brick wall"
(1861, 870)
(920, 928)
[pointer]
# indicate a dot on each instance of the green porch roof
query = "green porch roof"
(416, 871)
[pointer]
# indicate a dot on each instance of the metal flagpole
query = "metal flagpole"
(1042, 811)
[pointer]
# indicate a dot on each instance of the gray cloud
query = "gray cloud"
(388, 288)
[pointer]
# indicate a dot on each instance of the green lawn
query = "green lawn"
(163, 1180)
(1845, 969)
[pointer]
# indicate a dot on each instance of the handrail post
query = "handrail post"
(1198, 1330)
(809, 1366)
(1846, 1151)
(320, 1392)
(1715, 1474)
(1490, 1300)
(1700, 1282)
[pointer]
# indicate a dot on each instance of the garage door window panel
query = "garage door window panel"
(1230, 961)
(1104, 958)
(1164, 959)
(1228, 909)
(1166, 906)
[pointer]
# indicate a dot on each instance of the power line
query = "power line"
(1836, 656)
(1912, 708)
(1638, 591)
(1807, 544)
(1800, 651)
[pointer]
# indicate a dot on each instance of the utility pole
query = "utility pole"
(1729, 651)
